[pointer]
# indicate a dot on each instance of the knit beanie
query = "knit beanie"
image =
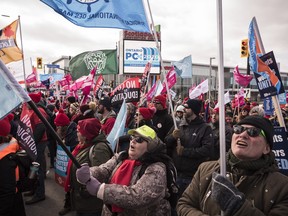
(246, 107)
(35, 97)
(195, 105)
(71, 99)
(147, 113)
(89, 127)
(5, 125)
(105, 101)
(261, 123)
(84, 108)
(162, 100)
(61, 119)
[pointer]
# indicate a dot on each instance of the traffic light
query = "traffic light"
(244, 48)
(39, 63)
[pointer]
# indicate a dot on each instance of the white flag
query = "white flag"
(202, 88)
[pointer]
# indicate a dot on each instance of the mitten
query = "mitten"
(93, 186)
(176, 133)
(83, 174)
(226, 194)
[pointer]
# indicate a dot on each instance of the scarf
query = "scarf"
(77, 149)
(123, 176)
(247, 167)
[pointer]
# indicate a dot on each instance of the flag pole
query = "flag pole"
(162, 64)
(221, 90)
(25, 98)
(274, 98)
(54, 134)
(23, 62)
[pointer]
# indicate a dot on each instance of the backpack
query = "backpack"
(24, 163)
(171, 174)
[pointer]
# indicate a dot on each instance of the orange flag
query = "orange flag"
(9, 50)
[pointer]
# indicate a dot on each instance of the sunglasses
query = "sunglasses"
(252, 131)
(137, 139)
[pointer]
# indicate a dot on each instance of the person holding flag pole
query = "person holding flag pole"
(17, 96)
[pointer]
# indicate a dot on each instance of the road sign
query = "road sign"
(52, 66)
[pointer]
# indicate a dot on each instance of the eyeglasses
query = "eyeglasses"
(137, 139)
(252, 131)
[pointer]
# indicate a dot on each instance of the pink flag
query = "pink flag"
(63, 82)
(241, 79)
(239, 99)
(150, 94)
(87, 84)
(171, 80)
(31, 78)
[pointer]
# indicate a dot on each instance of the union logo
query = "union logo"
(88, 2)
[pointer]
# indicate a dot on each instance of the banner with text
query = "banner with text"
(280, 149)
(128, 90)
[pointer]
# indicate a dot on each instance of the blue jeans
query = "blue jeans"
(40, 147)
(182, 184)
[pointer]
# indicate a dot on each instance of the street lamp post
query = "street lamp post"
(210, 77)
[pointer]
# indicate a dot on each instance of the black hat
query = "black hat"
(71, 99)
(105, 101)
(262, 123)
(195, 105)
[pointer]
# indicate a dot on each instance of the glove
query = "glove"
(226, 194)
(83, 174)
(176, 133)
(93, 186)
(179, 149)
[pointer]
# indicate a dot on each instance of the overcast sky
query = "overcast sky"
(188, 27)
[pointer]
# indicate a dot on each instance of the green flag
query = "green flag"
(82, 64)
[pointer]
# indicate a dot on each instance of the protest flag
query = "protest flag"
(121, 14)
(261, 72)
(183, 67)
(241, 79)
(202, 88)
(11, 91)
(171, 80)
(98, 87)
(24, 133)
(8, 45)
(12, 94)
(129, 91)
(151, 93)
(83, 63)
(226, 100)
(88, 82)
(119, 126)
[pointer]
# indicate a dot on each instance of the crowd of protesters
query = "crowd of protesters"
(109, 183)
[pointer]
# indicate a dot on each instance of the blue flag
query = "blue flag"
(184, 67)
(121, 14)
(119, 126)
(12, 94)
